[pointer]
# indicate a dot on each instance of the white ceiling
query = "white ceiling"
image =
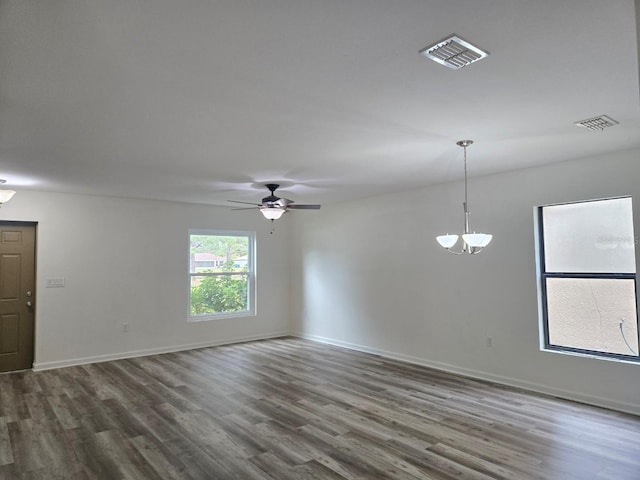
(204, 101)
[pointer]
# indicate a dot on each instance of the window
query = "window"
(221, 274)
(587, 278)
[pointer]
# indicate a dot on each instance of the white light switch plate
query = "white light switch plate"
(55, 282)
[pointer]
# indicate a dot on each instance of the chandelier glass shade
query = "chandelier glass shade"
(472, 242)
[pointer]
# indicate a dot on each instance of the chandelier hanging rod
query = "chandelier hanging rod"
(472, 243)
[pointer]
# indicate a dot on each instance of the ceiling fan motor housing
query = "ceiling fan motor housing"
(271, 198)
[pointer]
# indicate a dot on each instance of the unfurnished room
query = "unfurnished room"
(342, 240)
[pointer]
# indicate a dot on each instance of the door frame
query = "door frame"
(21, 223)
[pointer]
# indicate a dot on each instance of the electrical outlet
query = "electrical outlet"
(489, 342)
(125, 328)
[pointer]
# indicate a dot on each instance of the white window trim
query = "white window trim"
(251, 267)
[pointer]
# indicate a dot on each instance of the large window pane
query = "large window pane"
(218, 253)
(593, 314)
(588, 278)
(219, 294)
(221, 274)
(589, 237)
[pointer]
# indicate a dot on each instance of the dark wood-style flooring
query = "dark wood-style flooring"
(293, 409)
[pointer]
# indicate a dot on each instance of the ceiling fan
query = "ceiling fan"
(273, 207)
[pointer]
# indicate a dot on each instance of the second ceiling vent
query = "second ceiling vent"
(597, 124)
(454, 52)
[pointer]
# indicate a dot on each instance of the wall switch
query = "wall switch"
(55, 282)
(125, 328)
(489, 342)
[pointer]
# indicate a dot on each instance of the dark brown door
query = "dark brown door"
(17, 295)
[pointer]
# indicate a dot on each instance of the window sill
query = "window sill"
(630, 361)
(219, 316)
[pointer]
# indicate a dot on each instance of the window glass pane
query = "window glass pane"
(221, 275)
(589, 237)
(593, 314)
(219, 294)
(215, 253)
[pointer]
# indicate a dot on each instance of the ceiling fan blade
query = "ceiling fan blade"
(284, 202)
(272, 202)
(304, 207)
(244, 208)
(246, 203)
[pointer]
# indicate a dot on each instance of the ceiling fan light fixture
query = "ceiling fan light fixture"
(272, 206)
(272, 213)
(5, 195)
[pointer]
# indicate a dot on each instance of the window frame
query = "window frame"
(542, 276)
(251, 275)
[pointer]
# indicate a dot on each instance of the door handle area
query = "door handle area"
(29, 304)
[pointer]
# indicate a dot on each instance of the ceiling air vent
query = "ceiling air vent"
(597, 123)
(453, 52)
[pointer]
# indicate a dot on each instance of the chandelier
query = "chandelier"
(472, 242)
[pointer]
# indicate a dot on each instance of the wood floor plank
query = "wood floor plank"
(6, 452)
(337, 455)
(96, 462)
(64, 411)
(27, 449)
(167, 466)
(292, 409)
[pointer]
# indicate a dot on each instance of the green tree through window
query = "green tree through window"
(221, 274)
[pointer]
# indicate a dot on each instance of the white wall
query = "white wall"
(126, 261)
(369, 275)
(366, 274)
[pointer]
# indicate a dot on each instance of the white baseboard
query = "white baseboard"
(631, 408)
(37, 367)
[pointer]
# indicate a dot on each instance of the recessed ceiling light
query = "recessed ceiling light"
(454, 52)
(597, 123)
